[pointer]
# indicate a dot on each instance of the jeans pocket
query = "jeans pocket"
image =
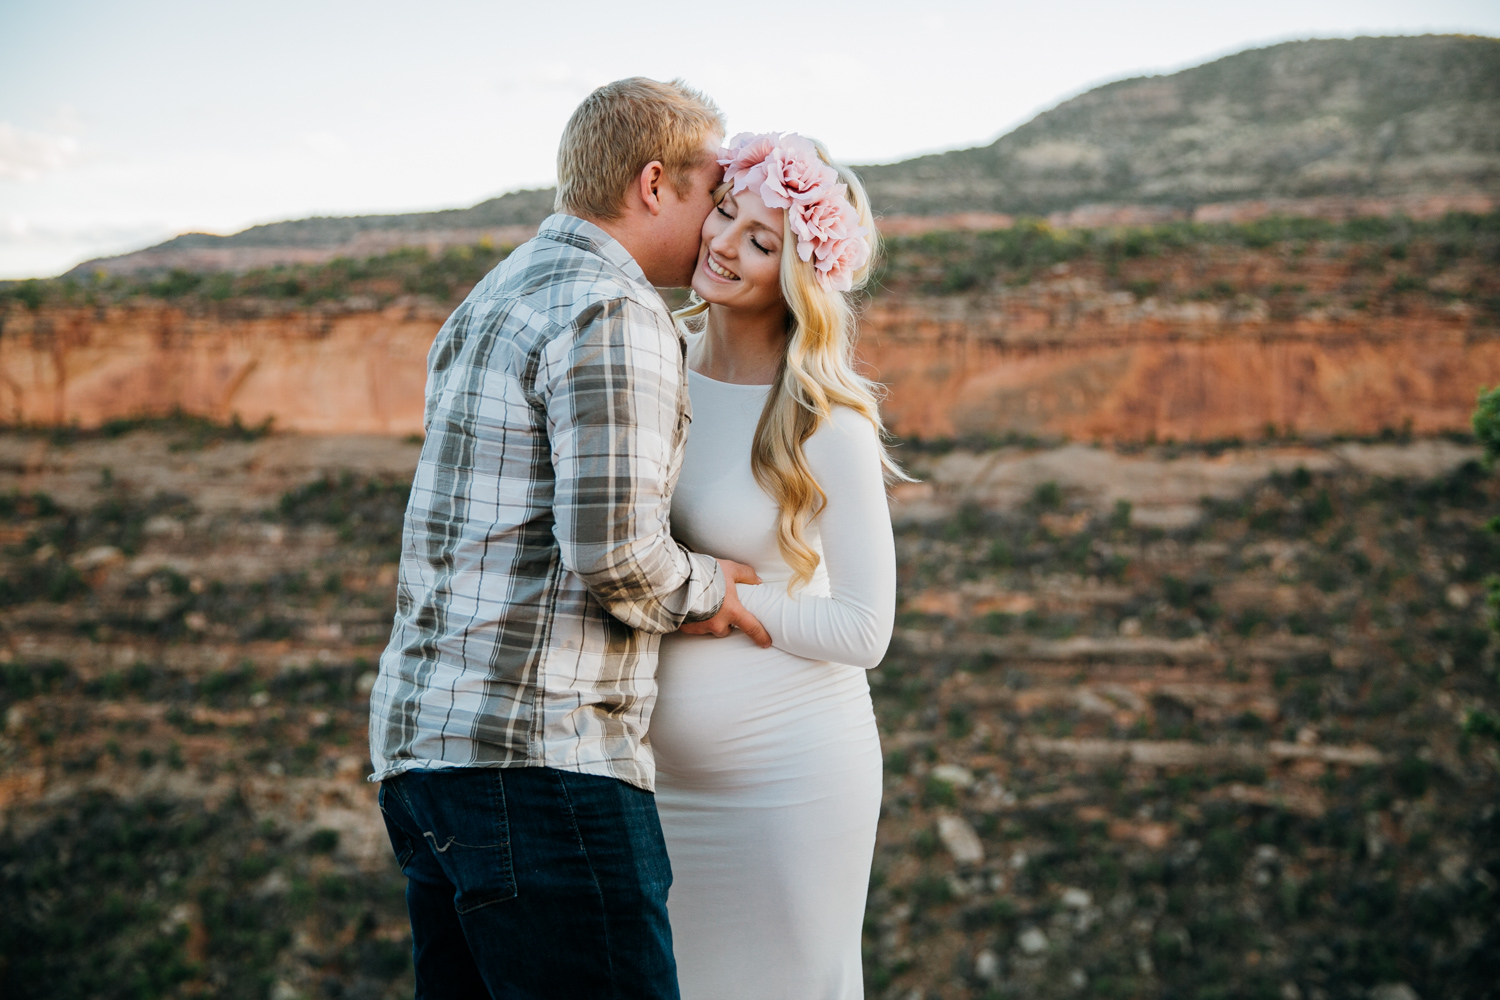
(482, 876)
(462, 818)
(401, 843)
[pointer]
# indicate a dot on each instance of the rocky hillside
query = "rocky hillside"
(1333, 128)
(1246, 752)
(1189, 332)
(1367, 116)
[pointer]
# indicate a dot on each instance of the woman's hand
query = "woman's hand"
(732, 614)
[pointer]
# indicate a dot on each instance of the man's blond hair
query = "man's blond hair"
(620, 128)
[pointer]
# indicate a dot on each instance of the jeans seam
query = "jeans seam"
(598, 889)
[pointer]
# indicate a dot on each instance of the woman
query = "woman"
(768, 760)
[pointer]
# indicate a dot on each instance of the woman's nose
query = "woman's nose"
(722, 245)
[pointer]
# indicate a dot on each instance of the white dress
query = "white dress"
(768, 760)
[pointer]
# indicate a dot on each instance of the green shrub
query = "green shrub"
(1047, 496)
(1482, 723)
(1411, 776)
(323, 841)
(1486, 423)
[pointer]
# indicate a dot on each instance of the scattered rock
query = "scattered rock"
(97, 558)
(960, 840)
(162, 525)
(962, 888)
(1091, 704)
(1034, 942)
(274, 884)
(1374, 838)
(955, 775)
(1077, 899)
(1393, 991)
(987, 966)
(991, 796)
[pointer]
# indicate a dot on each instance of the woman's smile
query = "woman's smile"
(717, 269)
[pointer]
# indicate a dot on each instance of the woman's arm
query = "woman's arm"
(853, 624)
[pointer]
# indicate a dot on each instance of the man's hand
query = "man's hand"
(732, 614)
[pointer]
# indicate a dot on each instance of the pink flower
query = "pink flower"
(795, 174)
(824, 222)
(836, 271)
(745, 150)
(744, 159)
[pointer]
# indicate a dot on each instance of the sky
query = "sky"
(125, 123)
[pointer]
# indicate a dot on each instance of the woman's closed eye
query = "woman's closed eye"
(720, 209)
(756, 245)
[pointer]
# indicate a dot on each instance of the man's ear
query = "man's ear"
(649, 183)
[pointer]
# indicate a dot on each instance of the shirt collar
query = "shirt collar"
(585, 235)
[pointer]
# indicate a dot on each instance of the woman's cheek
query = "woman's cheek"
(769, 273)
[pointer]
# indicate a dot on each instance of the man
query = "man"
(537, 574)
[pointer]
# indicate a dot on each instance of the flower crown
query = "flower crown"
(787, 172)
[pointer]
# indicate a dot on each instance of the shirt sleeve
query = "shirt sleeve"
(615, 420)
(853, 624)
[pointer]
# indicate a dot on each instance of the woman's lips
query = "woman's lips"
(719, 271)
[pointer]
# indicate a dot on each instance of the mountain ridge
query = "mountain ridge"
(1354, 117)
(1303, 126)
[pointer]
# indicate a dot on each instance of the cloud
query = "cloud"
(535, 78)
(25, 156)
(325, 144)
(18, 230)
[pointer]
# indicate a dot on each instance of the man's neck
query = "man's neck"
(622, 232)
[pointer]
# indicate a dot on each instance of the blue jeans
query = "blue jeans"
(532, 884)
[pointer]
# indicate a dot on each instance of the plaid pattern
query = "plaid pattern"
(538, 569)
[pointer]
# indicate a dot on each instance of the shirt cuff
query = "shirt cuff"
(710, 596)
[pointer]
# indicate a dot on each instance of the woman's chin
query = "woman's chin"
(706, 289)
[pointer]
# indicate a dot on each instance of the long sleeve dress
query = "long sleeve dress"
(768, 760)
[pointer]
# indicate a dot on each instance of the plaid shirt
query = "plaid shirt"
(538, 569)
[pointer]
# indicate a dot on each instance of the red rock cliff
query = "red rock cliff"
(1060, 355)
(1126, 370)
(349, 372)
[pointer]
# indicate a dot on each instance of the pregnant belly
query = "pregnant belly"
(728, 711)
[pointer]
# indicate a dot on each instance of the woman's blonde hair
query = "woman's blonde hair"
(817, 373)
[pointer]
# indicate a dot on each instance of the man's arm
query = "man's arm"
(612, 387)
